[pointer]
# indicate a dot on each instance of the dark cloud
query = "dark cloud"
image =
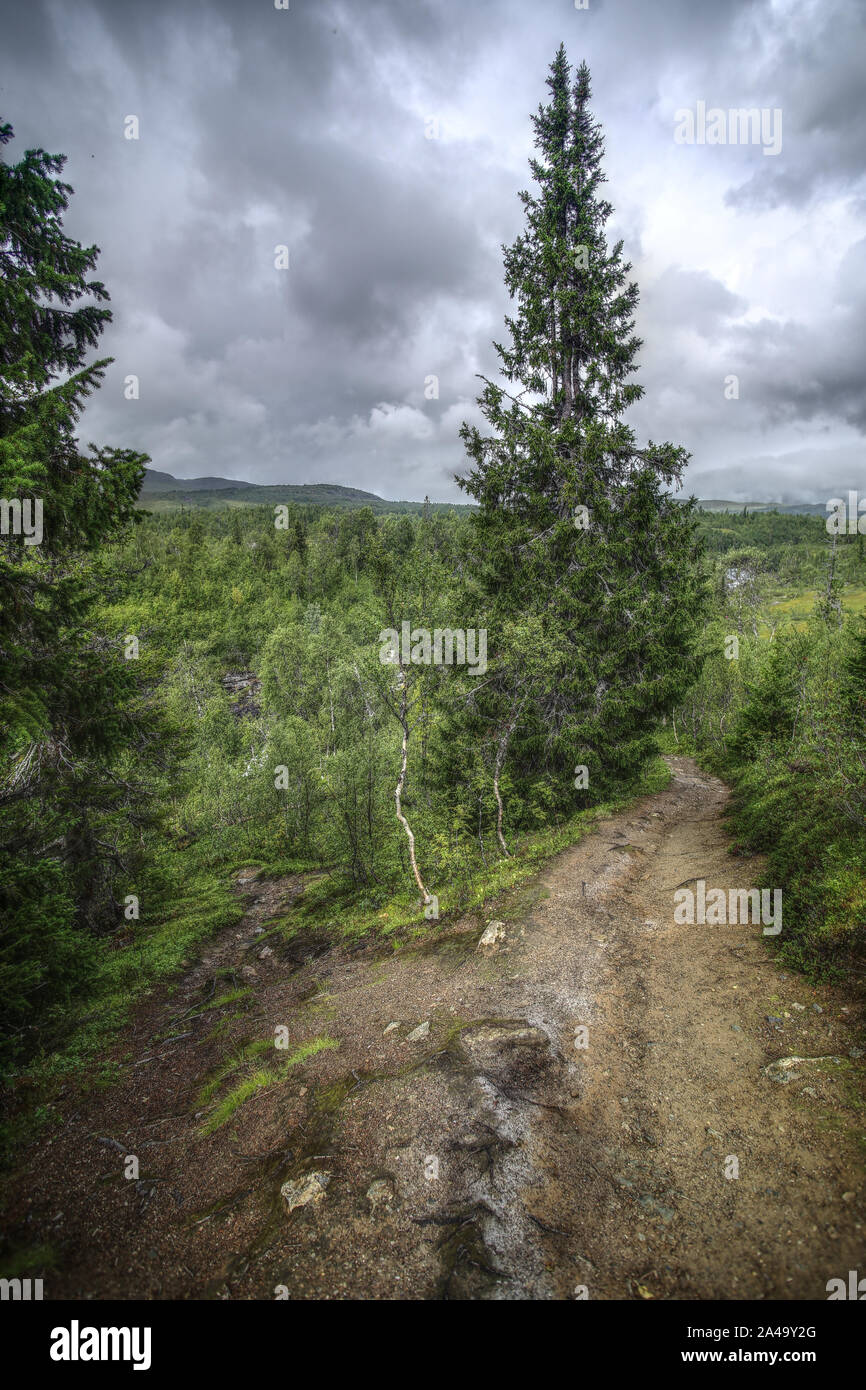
(307, 128)
(814, 65)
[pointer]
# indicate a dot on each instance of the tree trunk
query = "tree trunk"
(501, 750)
(398, 790)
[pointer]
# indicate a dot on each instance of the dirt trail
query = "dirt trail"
(487, 1156)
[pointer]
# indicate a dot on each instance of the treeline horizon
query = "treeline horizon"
(191, 494)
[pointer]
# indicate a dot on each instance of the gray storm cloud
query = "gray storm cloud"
(308, 128)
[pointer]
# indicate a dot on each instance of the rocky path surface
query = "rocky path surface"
(586, 1107)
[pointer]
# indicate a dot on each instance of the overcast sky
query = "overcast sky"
(308, 127)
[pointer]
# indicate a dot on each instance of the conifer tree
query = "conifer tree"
(578, 540)
(64, 690)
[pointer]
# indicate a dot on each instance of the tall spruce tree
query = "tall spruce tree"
(65, 691)
(582, 555)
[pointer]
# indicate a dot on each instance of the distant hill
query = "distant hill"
(162, 492)
(155, 481)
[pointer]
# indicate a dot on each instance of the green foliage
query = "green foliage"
(66, 695)
(770, 706)
(783, 723)
(36, 906)
(853, 683)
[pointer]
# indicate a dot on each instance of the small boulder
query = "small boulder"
(300, 1192)
(380, 1194)
(492, 935)
(420, 1032)
(785, 1068)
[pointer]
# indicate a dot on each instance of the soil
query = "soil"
(501, 1153)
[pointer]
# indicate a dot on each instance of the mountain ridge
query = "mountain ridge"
(164, 488)
(163, 492)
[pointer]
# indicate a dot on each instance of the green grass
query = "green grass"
(156, 949)
(34, 1260)
(258, 1080)
(78, 1039)
(238, 1059)
(796, 607)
